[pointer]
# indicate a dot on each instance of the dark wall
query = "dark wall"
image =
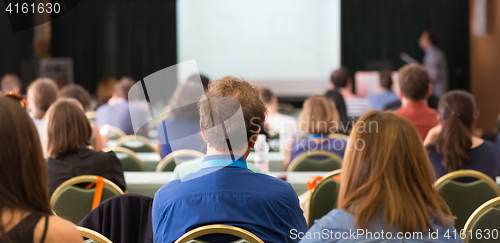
(116, 38)
(382, 29)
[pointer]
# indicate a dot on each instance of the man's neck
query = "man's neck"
(405, 101)
(244, 154)
(346, 93)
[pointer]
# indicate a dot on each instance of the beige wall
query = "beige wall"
(485, 66)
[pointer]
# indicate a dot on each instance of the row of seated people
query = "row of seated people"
(225, 191)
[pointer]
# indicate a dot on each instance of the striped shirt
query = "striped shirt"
(356, 107)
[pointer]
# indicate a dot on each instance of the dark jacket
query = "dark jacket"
(85, 162)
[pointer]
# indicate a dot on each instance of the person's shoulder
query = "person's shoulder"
(59, 230)
(336, 219)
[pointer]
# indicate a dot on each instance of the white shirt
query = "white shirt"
(277, 122)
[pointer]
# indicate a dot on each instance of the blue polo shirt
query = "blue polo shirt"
(225, 191)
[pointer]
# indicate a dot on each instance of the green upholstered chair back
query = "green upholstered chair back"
(130, 162)
(484, 224)
(138, 144)
(323, 199)
(318, 160)
(464, 198)
(171, 160)
(74, 203)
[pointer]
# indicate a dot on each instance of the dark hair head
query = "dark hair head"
(385, 79)
(340, 77)
(267, 95)
(181, 102)
(222, 102)
(433, 37)
(123, 87)
(77, 92)
(23, 175)
(414, 81)
(457, 111)
(205, 81)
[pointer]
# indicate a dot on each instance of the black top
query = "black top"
(340, 105)
(23, 232)
(122, 219)
(85, 162)
(483, 158)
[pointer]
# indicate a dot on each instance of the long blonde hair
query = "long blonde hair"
(67, 128)
(319, 116)
(386, 173)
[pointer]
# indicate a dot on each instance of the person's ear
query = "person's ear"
(429, 92)
(253, 139)
(202, 132)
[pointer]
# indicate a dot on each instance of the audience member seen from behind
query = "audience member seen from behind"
(276, 122)
(379, 101)
(77, 92)
(11, 83)
(196, 79)
(356, 106)
(224, 191)
(68, 137)
(386, 186)
(337, 98)
(451, 145)
(41, 94)
(318, 119)
(414, 88)
(104, 90)
(117, 111)
(181, 128)
(24, 201)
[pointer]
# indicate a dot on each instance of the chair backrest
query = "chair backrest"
(309, 161)
(72, 202)
(286, 108)
(218, 229)
(136, 143)
(464, 198)
(324, 197)
(176, 157)
(90, 115)
(122, 219)
(128, 158)
(92, 235)
(112, 132)
(486, 221)
(338, 136)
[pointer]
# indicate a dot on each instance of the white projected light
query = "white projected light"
(290, 46)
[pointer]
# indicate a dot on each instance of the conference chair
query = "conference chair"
(128, 158)
(324, 197)
(92, 236)
(286, 108)
(122, 219)
(176, 157)
(316, 160)
(113, 133)
(464, 198)
(90, 115)
(483, 223)
(136, 143)
(218, 229)
(338, 136)
(72, 202)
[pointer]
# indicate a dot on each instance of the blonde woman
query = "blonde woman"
(68, 134)
(386, 188)
(318, 119)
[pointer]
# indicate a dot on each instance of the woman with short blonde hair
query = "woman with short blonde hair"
(318, 119)
(386, 184)
(68, 134)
